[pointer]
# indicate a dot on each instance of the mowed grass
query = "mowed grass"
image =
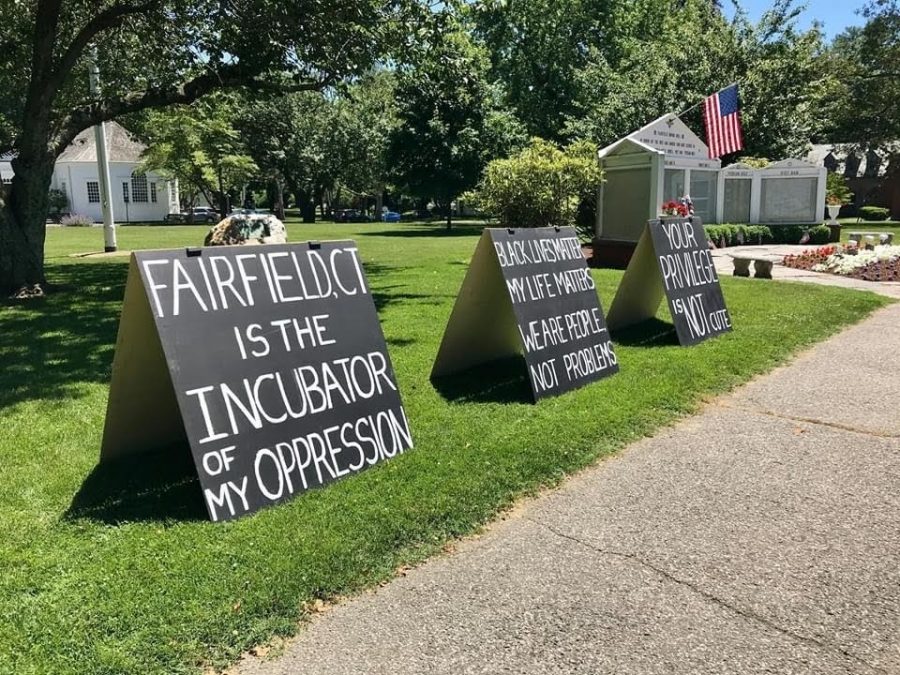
(879, 227)
(92, 584)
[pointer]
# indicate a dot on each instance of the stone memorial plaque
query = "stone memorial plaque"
(269, 362)
(673, 259)
(530, 292)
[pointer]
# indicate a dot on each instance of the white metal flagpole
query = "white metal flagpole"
(109, 225)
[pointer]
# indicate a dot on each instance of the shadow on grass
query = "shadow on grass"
(153, 486)
(428, 231)
(49, 345)
(503, 381)
(649, 333)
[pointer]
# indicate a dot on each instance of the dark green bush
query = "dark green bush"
(738, 235)
(874, 213)
(793, 234)
(749, 235)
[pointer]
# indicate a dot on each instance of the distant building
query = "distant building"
(137, 196)
(870, 175)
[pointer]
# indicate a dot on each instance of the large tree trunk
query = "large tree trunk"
(23, 225)
(449, 212)
(307, 206)
(279, 199)
(379, 200)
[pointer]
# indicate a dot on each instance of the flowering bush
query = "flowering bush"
(880, 264)
(673, 208)
(76, 220)
(810, 258)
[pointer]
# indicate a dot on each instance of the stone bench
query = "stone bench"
(882, 237)
(761, 266)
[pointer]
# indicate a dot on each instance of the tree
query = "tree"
(541, 186)
(199, 146)
(449, 125)
(367, 113)
(536, 48)
(865, 101)
(154, 53)
(777, 67)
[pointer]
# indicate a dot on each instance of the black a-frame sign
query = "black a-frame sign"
(672, 260)
(267, 361)
(530, 292)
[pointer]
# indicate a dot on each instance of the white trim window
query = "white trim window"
(93, 192)
(153, 192)
(139, 193)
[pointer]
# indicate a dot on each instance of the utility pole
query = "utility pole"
(109, 225)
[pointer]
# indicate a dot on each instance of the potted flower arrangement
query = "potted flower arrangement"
(837, 193)
(673, 208)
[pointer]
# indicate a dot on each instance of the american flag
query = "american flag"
(722, 117)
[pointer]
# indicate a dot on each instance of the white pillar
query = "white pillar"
(109, 225)
(820, 194)
(657, 174)
(755, 196)
(720, 196)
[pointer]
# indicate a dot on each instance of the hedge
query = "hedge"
(874, 213)
(748, 235)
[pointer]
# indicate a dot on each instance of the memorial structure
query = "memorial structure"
(665, 160)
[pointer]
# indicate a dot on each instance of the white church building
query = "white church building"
(137, 196)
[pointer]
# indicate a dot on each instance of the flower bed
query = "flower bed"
(809, 258)
(880, 264)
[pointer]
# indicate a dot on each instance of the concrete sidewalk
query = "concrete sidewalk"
(760, 536)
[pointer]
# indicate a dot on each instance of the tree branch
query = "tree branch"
(228, 76)
(110, 18)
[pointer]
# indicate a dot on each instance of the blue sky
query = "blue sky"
(835, 14)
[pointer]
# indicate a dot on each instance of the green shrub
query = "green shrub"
(874, 213)
(749, 235)
(837, 192)
(792, 234)
(58, 203)
(738, 235)
(76, 220)
(540, 186)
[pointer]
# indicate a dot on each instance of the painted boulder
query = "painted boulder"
(246, 228)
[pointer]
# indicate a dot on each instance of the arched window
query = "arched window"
(139, 188)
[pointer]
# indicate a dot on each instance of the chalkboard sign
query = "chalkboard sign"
(672, 258)
(529, 291)
(268, 360)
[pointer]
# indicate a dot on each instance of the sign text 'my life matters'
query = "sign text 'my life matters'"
(557, 310)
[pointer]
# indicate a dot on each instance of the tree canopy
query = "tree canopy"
(368, 97)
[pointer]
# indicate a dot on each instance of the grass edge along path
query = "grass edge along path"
(92, 584)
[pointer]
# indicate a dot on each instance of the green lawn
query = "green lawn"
(850, 225)
(91, 584)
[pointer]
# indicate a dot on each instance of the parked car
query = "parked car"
(351, 216)
(197, 214)
(390, 217)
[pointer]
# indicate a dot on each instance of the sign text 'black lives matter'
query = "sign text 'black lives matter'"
(278, 364)
(530, 291)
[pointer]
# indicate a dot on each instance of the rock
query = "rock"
(246, 228)
(28, 293)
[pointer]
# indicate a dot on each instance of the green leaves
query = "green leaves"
(540, 186)
(450, 122)
(200, 146)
